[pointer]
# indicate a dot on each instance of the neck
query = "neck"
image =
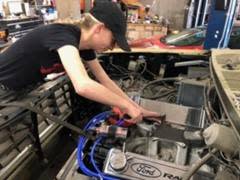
(85, 40)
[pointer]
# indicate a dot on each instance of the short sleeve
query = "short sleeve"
(87, 55)
(60, 35)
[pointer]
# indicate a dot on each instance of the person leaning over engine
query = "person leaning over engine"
(69, 42)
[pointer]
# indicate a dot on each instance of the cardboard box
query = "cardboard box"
(137, 31)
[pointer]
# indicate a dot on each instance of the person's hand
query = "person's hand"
(135, 114)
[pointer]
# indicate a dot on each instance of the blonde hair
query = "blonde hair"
(86, 22)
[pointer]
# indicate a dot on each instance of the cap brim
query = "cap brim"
(122, 42)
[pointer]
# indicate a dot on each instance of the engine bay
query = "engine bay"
(193, 139)
(196, 137)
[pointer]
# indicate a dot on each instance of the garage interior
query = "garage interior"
(184, 64)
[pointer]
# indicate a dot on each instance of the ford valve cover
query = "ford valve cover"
(141, 167)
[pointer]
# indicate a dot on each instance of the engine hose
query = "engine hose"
(198, 164)
(81, 145)
(82, 165)
(158, 81)
(102, 175)
(161, 95)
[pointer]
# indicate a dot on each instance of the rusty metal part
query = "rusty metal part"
(158, 120)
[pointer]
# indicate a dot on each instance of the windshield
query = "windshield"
(186, 38)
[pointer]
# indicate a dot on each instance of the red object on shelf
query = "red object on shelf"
(82, 4)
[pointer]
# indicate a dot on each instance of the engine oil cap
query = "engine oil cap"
(118, 161)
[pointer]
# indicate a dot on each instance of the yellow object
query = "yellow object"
(3, 34)
(141, 8)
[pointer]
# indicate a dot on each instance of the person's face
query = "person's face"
(103, 39)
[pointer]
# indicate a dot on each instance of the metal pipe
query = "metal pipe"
(205, 12)
(230, 23)
(190, 14)
(198, 164)
(198, 13)
(226, 23)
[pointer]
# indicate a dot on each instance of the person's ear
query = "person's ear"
(98, 28)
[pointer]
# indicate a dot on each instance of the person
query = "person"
(71, 42)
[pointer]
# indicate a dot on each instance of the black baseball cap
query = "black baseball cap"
(113, 18)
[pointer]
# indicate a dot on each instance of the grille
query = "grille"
(16, 124)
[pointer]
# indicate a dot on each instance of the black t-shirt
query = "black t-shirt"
(20, 64)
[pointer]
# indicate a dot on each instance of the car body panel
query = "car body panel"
(192, 39)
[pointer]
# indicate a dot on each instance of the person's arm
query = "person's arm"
(104, 79)
(89, 88)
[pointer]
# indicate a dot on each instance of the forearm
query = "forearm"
(90, 89)
(112, 86)
(97, 92)
(104, 79)
(107, 95)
